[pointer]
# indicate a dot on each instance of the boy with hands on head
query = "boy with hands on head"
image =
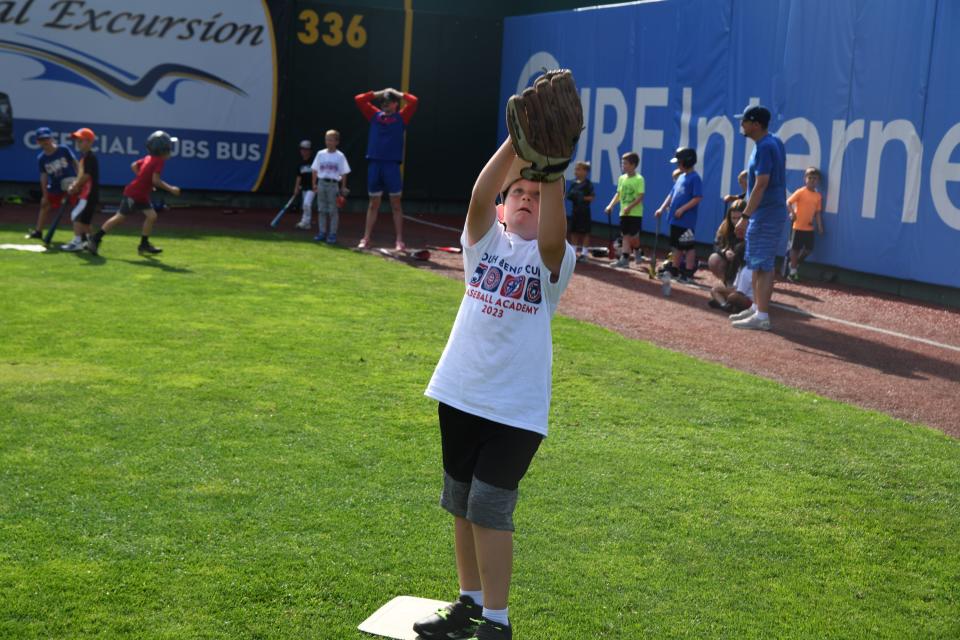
(514, 277)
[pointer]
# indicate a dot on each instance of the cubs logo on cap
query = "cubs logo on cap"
(512, 286)
(44, 133)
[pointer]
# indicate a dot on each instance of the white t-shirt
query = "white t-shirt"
(330, 165)
(498, 360)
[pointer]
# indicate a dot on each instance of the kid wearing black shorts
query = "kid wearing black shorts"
(136, 195)
(581, 195)
(515, 274)
(681, 206)
(86, 188)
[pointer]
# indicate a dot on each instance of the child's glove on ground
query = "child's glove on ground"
(545, 122)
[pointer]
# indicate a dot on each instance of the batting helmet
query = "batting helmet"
(685, 156)
(159, 143)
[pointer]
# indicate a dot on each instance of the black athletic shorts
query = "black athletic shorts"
(475, 447)
(128, 205)
(580, 221)
(681, 238)
(803, 240)
(630, 225)
(86, 216)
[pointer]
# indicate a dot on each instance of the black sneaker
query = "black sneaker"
(148, 249)
(93, 244)
(34, 234)
(713, 304)
(456, 620)
(490, 630)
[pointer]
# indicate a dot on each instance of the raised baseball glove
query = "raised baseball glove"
(545, 122)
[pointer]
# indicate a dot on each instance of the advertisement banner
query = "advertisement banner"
(863, 91)
(203, 73)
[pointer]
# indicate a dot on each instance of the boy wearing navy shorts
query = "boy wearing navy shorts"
(384, 154)
(136, 195)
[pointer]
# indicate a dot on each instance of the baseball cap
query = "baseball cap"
(756, 113)
(305, 144)
(44, 132)
(84, 134)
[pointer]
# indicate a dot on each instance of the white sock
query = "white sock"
(753, 308)
(77, 239)
(477, 596)
(762, 316)
(497, 615)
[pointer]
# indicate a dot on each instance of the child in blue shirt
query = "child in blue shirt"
(681, 205)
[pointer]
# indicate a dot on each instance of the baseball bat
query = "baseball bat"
(276, 221)
(786, 256)
(56, 220)
(445, 249)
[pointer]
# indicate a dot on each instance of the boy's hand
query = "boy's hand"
(658, 212)
(175, 191)
(545, 123)
(607, 209)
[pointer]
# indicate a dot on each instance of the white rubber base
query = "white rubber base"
(395, 619)
(35, 248)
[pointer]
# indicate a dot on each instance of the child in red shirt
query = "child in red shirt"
(136, 195)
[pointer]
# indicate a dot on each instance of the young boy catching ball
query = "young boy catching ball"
(515, 274)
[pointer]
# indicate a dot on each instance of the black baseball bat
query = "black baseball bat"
(56, 220)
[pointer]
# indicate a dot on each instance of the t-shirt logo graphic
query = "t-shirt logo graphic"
(478, 275)
(532, 294)
(512, 287)
(492, 280)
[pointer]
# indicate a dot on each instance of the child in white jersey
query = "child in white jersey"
(329, 171)
(490, 427)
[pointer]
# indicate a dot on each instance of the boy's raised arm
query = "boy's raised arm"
(552, 230)
(482, 211)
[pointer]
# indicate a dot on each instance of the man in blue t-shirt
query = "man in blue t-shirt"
(58, 166)
(764, 215)
(682, 206)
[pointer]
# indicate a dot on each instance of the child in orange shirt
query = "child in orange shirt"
(805, 206)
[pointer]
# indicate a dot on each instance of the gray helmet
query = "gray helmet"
(685, 156)
(159, 143)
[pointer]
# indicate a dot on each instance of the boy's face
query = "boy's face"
(390, 106)
(521, 208)
(811, 180)
(580, 172)
(627, 166)
(742, 181)
(47, 144)
(331, 141)
(83, 145)
(304, 153)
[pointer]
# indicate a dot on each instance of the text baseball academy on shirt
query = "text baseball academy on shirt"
(503, 286)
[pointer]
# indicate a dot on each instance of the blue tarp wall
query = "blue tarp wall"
(865, 90)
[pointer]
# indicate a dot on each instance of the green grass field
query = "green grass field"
(232, 442)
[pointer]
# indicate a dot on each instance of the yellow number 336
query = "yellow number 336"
(356, 35)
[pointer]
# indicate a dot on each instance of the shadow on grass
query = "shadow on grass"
(153, 263)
